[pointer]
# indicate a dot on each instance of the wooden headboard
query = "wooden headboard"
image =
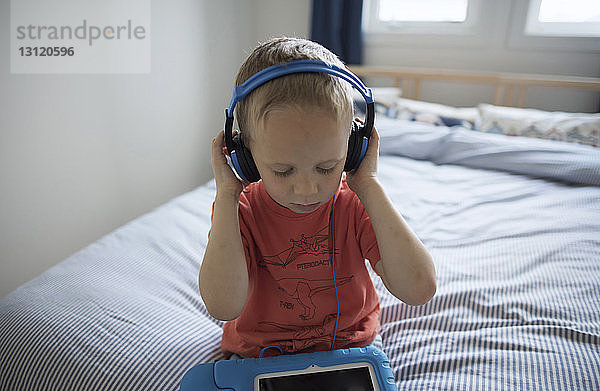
(507, 86)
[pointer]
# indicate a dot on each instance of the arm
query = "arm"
(223, 277)
(406, 267)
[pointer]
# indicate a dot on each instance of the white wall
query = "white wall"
(288, 17)
(81, 155)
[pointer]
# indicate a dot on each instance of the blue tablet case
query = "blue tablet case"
(238, 375)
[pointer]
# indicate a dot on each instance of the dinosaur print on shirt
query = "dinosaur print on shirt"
(292, 299)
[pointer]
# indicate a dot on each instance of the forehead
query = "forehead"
(297, 137)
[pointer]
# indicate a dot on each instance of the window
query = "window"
(573, 18)
(448, 17)
(422, 11)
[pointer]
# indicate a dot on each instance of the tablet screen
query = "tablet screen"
(354, 379)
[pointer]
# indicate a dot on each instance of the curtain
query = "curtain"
(336, 24)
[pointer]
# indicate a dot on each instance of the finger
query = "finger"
(217, 141)
(375, 134)
(224, 149)
(373, 142)
(217, 146)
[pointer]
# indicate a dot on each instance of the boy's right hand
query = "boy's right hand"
(227, 182)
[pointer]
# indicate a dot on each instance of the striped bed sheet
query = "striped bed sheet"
(516, 249)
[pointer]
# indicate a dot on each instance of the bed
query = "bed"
(513, 224)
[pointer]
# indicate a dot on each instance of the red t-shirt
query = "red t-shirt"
(292, 301)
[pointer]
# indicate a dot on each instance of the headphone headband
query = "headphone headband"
(297, 66)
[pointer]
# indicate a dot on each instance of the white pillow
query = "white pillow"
(386, 96)
(580, 128)
(389, 102)
(469, 114)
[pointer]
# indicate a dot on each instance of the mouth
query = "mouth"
(306, 208)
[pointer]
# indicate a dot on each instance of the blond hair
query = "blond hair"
(306, 91)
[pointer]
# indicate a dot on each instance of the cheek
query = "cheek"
(276, 188)
(333, 181)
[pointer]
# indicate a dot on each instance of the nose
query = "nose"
(305, 186)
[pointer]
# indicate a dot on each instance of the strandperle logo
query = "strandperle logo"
(90, 33)
(74, 36)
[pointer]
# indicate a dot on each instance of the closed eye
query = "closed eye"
(325, 171)
(283, 173)
(320, 170)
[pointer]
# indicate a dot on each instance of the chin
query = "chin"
(305, 208)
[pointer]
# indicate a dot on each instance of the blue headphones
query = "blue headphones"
(241, 157)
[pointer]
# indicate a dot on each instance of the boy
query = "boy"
(267, 266)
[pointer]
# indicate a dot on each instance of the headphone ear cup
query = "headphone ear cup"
(354, 146)
(245, 159)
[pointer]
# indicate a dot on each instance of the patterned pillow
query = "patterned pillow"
(389, 103)
(434, 113)
(384, 99)
(582, 128)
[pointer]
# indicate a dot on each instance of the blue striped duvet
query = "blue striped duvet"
(513, 225)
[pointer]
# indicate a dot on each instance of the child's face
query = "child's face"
(300, 155)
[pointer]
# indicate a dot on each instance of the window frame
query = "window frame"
(534, 27)
(372, 24)
(481, 31)
(470, 33)
(519, 39)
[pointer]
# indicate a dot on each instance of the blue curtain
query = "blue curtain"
(336, 24)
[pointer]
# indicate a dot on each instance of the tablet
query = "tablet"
(354, 369)
(354, 376)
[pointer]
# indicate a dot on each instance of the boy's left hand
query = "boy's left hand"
(366, 173)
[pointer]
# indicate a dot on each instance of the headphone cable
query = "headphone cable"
(333, 268)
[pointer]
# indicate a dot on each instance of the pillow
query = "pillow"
(582, 128)
(434, 113)
(384, 98)
(388, 102)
